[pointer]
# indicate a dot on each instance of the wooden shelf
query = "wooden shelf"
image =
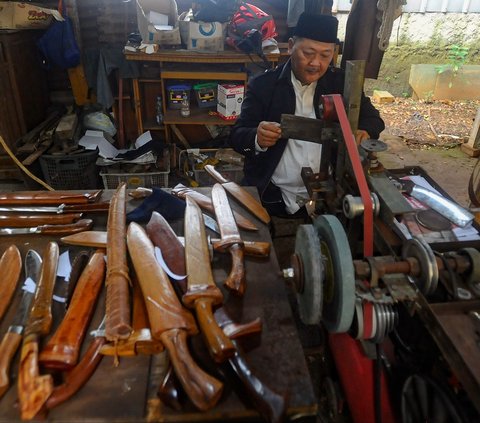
(152, 125)
(225, 76)
(197, 116)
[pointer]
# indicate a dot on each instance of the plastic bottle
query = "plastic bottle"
(185, 109)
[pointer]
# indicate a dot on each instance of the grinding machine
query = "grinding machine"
(390, 270)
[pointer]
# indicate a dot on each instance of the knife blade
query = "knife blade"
(24, 221)
(62, 208)
(12, 338)
(230, 239)
(11, 265)
(240, 194)
(79, 226)
(202, 292)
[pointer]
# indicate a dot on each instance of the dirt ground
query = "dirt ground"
(429, 134)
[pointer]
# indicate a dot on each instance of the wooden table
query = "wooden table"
(128, 392)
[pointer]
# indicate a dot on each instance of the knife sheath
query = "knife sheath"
(47, 198)
(117, 323)
(33, 388)
(170, 322)
(25, 221)
(11, 266)
(205, 203)
(79, 375)
(63, 348)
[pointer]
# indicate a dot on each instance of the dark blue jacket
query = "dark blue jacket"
(268, 96)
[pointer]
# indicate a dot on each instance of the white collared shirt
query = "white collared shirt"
(298, 154)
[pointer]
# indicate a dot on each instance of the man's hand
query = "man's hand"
(361, 135)
(268, 133)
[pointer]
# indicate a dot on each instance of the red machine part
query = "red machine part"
(358, 172)
(356, 374)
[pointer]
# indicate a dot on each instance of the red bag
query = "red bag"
(247, 18)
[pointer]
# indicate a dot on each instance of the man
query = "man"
(273, 163)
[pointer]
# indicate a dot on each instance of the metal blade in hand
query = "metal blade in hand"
(226, 222)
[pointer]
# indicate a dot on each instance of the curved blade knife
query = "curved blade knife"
(12, 338)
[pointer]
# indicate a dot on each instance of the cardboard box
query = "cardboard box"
(203, 36)
(17, 15)
(151, 35)
(230, 99)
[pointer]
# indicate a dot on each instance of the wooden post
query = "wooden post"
(472, 147)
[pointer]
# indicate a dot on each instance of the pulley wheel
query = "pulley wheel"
(472, 278)
(310, 296)
(339, 283)
(419, 249)
(373, 146)
(433, 220)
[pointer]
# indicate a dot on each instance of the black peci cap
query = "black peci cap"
(317, 27)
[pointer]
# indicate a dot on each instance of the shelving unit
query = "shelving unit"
(183, 65)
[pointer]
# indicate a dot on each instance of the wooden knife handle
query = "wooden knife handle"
(10, 343)
(215, 174)
(268, 403)
(63, 348)
(40, 318)
(11, 265)
(81, 225)
(250, 248)
(33, 388)
(236, 279)
(79, 375)
(203, 389)
(219, 345)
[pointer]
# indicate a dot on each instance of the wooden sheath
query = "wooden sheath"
(11, 267)
(205, 203)
(47, 198)
(63, 348)
(169, 321)
(26, 221)
(33, 388)
(117, 323)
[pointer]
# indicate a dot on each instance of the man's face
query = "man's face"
(309, 58)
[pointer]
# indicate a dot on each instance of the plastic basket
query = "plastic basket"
(176, 93)
(74, 171)
(135, 180)
(206, 94)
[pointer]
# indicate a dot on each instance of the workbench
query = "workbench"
(128, 392)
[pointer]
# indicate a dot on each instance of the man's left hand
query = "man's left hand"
(361, 135)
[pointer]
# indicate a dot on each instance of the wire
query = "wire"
(22, 167)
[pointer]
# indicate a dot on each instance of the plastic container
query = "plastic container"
(176, 94)
(135, 180)
(73, 171)
(206, 94)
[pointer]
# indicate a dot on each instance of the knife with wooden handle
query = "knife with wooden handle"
(205, 203)
(202, 292)
(47, 197)
(98, 239)
(11, 267)
(81, 225)
(33, 388)
(170, 322)
(63, 348)
(231, 239)
(25, 221)
(13, 337)
(240, 194)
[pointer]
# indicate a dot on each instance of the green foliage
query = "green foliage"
(457, 56)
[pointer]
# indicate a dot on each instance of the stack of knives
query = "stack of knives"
(163, 315)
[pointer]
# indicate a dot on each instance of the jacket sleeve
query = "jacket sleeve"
(242, 135)
(369, 119)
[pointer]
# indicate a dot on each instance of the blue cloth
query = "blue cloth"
(170, 207)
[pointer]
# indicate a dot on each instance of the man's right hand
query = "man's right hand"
(268, 133)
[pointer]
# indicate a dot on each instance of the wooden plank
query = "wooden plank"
(382, 97)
